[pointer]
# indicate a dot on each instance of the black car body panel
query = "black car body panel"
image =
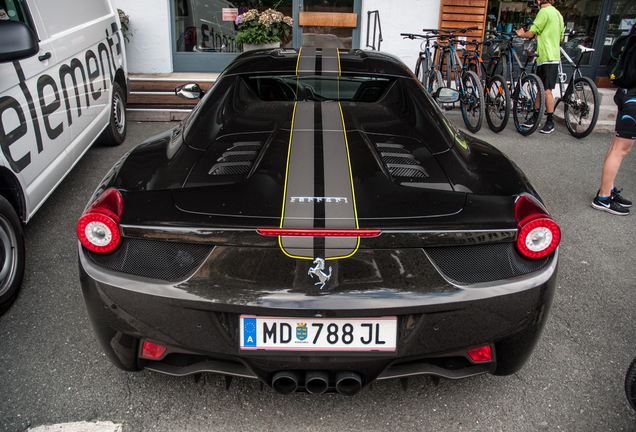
(255, 155)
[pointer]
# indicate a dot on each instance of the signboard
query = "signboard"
(229, 14)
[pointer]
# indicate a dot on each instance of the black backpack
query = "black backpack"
(621, 68)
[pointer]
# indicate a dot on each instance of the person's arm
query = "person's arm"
(524, 34)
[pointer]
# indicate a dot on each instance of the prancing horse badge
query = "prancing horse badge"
(318, 270)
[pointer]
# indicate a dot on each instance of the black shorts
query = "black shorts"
(626, 117)
(548, 74)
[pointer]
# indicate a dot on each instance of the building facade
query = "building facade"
(197, 35)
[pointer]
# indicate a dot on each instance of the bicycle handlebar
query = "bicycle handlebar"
(502, 33)
(414, 36)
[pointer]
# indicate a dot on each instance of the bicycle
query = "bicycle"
(581, 101)
(527, 92)
(496, 93)
(466, 82)
(425, 71)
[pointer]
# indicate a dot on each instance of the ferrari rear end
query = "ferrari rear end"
(317, 231)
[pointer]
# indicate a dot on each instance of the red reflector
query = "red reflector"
(482, 354)
(319, 232)
(151, 350)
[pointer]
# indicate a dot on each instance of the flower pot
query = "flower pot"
(248, 47)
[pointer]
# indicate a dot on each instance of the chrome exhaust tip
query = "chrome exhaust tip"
(285, 382)
(316, 382)
(348, 383)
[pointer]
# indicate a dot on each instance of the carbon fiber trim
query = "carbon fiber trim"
(237, 159)
(400, 162)
(169, 261)
(483, 263)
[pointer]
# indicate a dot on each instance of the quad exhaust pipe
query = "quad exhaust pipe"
(285, 382)
(348, 383)
(317, 382)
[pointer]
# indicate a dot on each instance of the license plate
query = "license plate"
(318, 334)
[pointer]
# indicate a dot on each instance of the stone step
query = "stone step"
(152, 96)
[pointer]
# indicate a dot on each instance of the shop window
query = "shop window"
(202, 26)
(580, 18)
(333, 36)
(622, 19)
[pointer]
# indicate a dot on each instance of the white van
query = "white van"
(63, 86)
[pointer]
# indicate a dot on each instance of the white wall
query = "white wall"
(149, 48)
(401, 16)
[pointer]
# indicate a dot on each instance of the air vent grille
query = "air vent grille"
(237, 159)
(407, 171)
(400, 162)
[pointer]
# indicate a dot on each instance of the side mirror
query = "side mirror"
(446, 95)
(17, 41)
(189, 91)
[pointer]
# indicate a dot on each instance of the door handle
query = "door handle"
(45, 56)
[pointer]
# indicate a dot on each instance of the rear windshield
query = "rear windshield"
(318, 87)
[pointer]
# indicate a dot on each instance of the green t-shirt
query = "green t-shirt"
(548, 26)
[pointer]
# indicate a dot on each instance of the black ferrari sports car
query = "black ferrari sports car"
(317, 224)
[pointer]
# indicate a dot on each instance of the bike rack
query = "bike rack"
(377, 29)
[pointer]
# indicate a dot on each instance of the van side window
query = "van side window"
(15, 10)
(59, 19)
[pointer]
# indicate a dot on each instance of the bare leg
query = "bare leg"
(619, 148)
(549, 102)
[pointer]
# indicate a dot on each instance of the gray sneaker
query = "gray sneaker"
(610, 206)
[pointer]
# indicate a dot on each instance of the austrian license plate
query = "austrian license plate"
(318, 334)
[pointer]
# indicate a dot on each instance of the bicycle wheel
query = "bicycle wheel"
(472, 101)
(435, 81)
(630, 384)
(527, 95)
(420, 70)
(582, 106)
(497, 103)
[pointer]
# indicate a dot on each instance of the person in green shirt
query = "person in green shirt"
(548, 27)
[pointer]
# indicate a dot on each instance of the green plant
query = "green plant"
(260, 28)
(125, 25)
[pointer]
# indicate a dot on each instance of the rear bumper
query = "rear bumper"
(435, 330)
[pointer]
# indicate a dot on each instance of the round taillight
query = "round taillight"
(538, 238)
(538, 235)
(98, 228)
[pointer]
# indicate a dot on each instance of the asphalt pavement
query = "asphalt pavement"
(53, 371)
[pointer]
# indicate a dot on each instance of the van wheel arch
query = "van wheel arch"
(11, 190)
(12, 255)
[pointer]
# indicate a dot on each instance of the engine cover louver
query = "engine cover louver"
(237, 159)
(400, 162)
